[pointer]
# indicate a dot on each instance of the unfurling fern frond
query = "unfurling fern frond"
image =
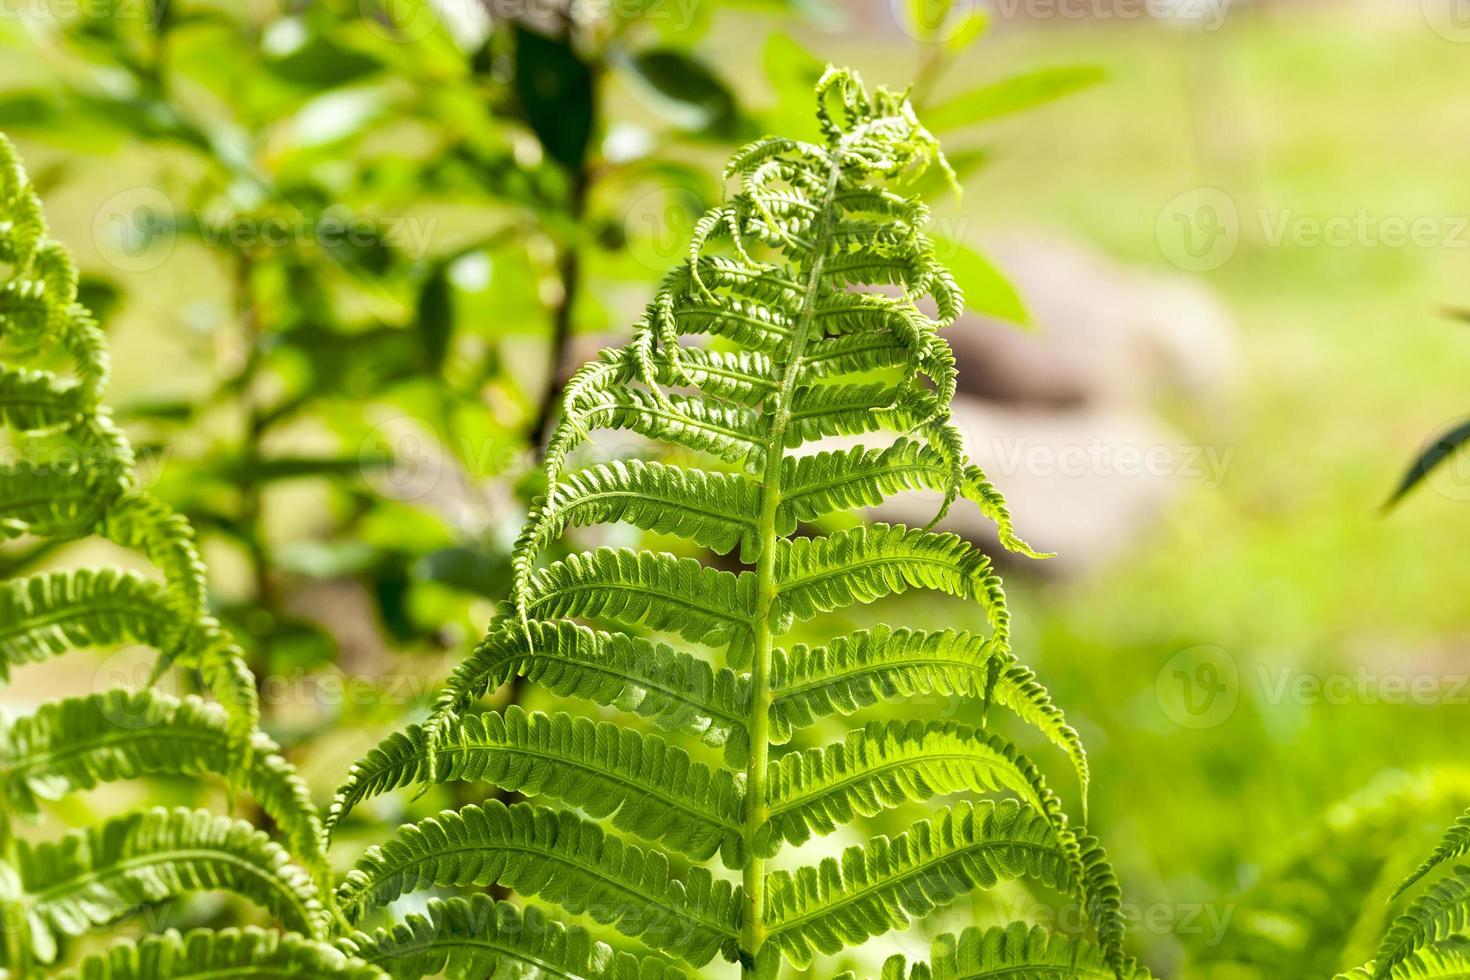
(806, 283)
(72, 477)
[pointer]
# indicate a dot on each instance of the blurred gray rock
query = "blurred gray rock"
(1065, 418)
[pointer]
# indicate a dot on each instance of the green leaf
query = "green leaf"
(91, 877)
(1456, 842)
(987, 291)
(561, 858)
(1001, 98)
(821, 574)
(672, 689)
(883, 765)
(47, 614)
(649, 788)
(1445, 445)
(80, 743)
(699, 100)
(556, 93)
(480, 937)
(240, 954)
(639, 588)
(887, 883)
(1442, 911)
(1015, 952)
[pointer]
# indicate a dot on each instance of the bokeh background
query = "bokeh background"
(347, 251)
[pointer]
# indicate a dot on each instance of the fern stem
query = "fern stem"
(753, 881)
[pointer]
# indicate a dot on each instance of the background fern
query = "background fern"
(806, 283)
(71, 476)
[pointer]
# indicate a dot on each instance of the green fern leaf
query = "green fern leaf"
(1448, 960)
(1015, 952)
(1440, 912)
(47, 614)
(91, 877)
(887, 883)
(79, 743)
(562, 858)
(808, 279)
(881, 766)
(649, 788)
(819, 575)
(639, 588)
(674, 690)
(865, 668)
(714, 510)
(1456, 842)
(239, 954)
(479, 937)
(93, 492)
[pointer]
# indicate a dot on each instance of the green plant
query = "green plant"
(71, 476)
(801, 351)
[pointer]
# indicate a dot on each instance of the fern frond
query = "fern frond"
(92, 492)
(91, 877)
(881, 766)
(808, 280)
(238, 954)
(676, 691)
(561, 858)
(867, 667)
(1448, 960)
(1456, 842)
(1443, 910)
(49, 613)
(885, 884)
(640, 588)
(38, 402)
(1015, 952)
(829, 482)
(650, 789)
(718, 511)
(79, 743)
(480, 937)
(819, 575)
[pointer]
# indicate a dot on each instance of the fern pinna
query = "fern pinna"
(806, 282)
